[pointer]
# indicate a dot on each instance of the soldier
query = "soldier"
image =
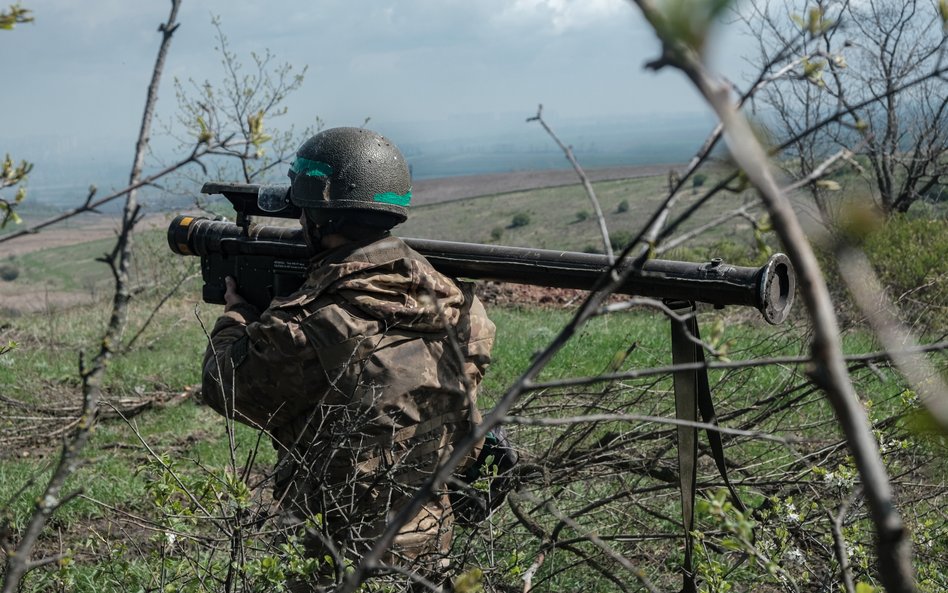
(364, 378)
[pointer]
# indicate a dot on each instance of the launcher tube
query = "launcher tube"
(221, 244)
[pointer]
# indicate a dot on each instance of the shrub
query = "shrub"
(698, 181)
(9, 272)
(520, 219)
(622, 207)
(582, 215)
(908, 255)
(496, 233)
(619, 239)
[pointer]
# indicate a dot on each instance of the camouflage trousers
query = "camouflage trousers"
(421, 547)
(340, 512)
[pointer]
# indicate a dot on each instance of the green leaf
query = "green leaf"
(862, 587)
(828, 184)
(817, 24)
(813, 71)
(204, 135)
(15, 16)
(471, 581)
(257, 135)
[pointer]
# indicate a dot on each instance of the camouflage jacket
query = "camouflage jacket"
(373, 364)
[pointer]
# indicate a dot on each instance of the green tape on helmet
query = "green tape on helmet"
(351, 169)
(304, 166)
(393, 198)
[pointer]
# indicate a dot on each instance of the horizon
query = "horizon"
(451, 83)
(59, 182)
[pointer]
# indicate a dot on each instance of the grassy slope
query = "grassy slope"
(120, 474)
(554, 223)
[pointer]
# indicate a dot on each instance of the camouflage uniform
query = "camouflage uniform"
(364, 378)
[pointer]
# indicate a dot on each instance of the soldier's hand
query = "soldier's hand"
(231, 297)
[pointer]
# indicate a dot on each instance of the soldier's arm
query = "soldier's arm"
(258, 369)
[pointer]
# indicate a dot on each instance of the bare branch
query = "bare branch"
(587, 185)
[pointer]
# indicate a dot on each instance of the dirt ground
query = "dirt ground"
(16, 299)
(88, 227)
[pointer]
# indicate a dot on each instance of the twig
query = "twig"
(587, 185)
(568, 420)
(735, 364)
(742, 211)
(193, 157)
(527, 577)
(839, 546)
(638, 573)
(164, 299)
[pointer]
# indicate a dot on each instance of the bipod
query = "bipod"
(693, 394)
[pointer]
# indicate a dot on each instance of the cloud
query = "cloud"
(564, 15)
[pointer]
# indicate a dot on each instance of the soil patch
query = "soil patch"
(505, 294)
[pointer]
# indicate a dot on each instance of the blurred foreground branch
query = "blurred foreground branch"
(828, 368)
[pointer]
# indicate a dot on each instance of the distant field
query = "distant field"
(562, 217)
(445, 189)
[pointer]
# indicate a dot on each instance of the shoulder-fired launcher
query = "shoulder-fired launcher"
(271, 261)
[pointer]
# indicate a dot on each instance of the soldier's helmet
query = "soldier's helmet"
(352, 173)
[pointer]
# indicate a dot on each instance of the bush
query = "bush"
(908, 255)
(622, 207)
(619, 239)
(496, 233)
(698, 181)
(9, 272)
(582, 215)
(520, 219)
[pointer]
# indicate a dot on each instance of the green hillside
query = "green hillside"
(558, 218)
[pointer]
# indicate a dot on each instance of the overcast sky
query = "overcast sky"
(77, 76)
